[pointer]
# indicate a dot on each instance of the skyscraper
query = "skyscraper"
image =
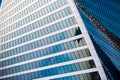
(46, 40)
(108, 14)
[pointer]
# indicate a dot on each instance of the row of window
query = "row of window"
(51, 16)
(37, 14)
(42, 22)
(54, 38)
(46, 30)
(56, 70)
(34, 16)
(7, 2)
(6, 9)
(24, 12)
(13, 11)
(46, 62)
(72, 55)
(46, 51)
(86, 76)
(16, 9)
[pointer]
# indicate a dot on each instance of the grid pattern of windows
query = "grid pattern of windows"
(36, 15)
(14, 10)
(63, 58)
(43, 38)
(39, 33)
(43, 21)
(55, 71)
(57, 37)
(47, 62)
(60, 47)
(5, 9)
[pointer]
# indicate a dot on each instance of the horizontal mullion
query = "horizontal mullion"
(27, 14)
(47, 67)
(33, 20)
(44, 57)
(42, 47)
(42, 37)
(59, 20)
(11, 8)
(68, 74)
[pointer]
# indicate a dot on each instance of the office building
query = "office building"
(46, 40)
(108, 14)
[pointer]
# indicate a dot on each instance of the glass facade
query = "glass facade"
(88, 76)
(45, 39)
(108, 14)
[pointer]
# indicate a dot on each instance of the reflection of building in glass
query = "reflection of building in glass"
(45, 40)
